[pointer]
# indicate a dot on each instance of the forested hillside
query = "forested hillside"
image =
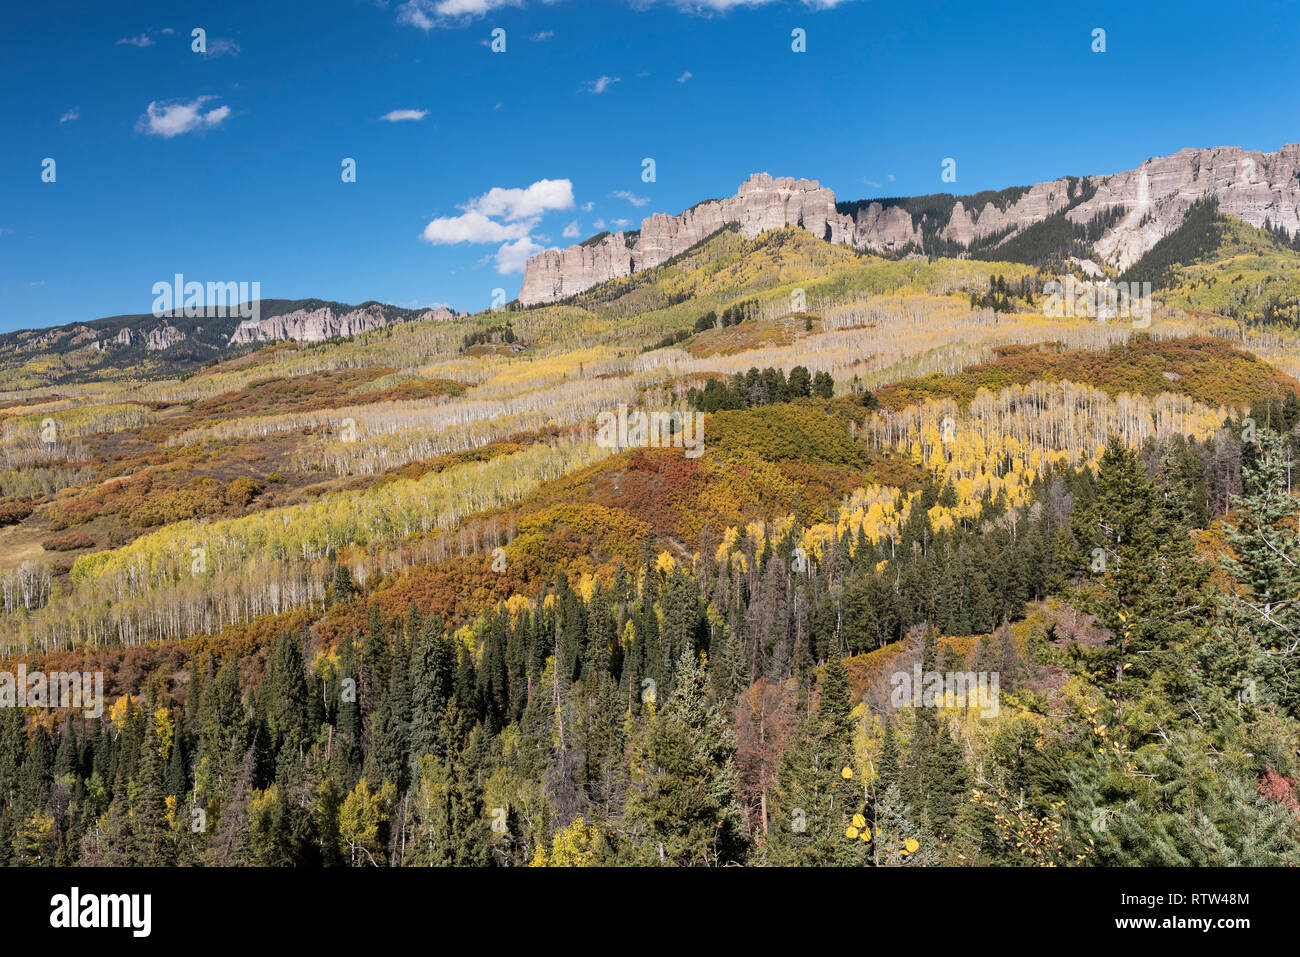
(396, 601)
(1219, 264)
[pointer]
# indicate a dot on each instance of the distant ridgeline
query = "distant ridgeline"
(1098, 225)
(174, 343)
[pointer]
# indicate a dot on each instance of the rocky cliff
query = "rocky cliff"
(1249, 185)
(327, 321)
(763, 202)
(1153, 198)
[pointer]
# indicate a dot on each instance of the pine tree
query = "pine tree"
(285, 693)
(1142, 580)
(177, 783)
(686, 807)
(432, 675)
(681, 618)
(818, 818)
(945, 784)
(1252, 661)
(341, 587)
(896, 840)
(151, 838)
(231, 843)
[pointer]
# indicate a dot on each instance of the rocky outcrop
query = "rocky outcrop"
(162, 337)
(557, 273)
(123, 338)
(763, 202)
(155, 340)
(884, 228)
(965, 226)
(1249, 185)
(324, 322)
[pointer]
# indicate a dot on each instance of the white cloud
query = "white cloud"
(396, 116)
(173, 119)
(471, 8)
(220, 46)
(544, 35)
(601, 84)
(473, 227)
(622, 223)
(413, 15)
(571, 231)
(722, 6)
(143, 40)
(707, 7)
(543, 196)
(507, 216)
(598, 225)
(427, 14)
(513, 256)
(588, 206)
(72, 114)
(632, 198)
(719, 6)
(684, 77)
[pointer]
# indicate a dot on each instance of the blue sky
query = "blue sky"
(226, 166)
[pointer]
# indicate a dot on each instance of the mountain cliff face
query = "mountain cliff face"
(319, 322)
(1144, 205)
(1249, 185)
(763, 202)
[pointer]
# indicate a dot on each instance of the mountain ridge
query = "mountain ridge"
(179, 343)
(1152, 200)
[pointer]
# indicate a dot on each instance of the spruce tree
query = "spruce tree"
(285, 693)
(1142, 580)
(1252, 661)
(686, 807)
(151, 837)
(432, 675)
(819, 802)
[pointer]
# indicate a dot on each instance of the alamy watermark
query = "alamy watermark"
(58, 689)
(1098, 300)
(951, 689)
(75, 909)
(651, 430)
(215, 300)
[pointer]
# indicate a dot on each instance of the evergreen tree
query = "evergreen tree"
(819, 819)
(1142, 580)
(432, 674)
(1252, 660)
(149, 830)
(685, 806)
(285, 693)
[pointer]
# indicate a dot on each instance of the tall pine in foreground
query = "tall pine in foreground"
(818, 819)
(1252, 660)
(1142, 580)
(685, 810)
